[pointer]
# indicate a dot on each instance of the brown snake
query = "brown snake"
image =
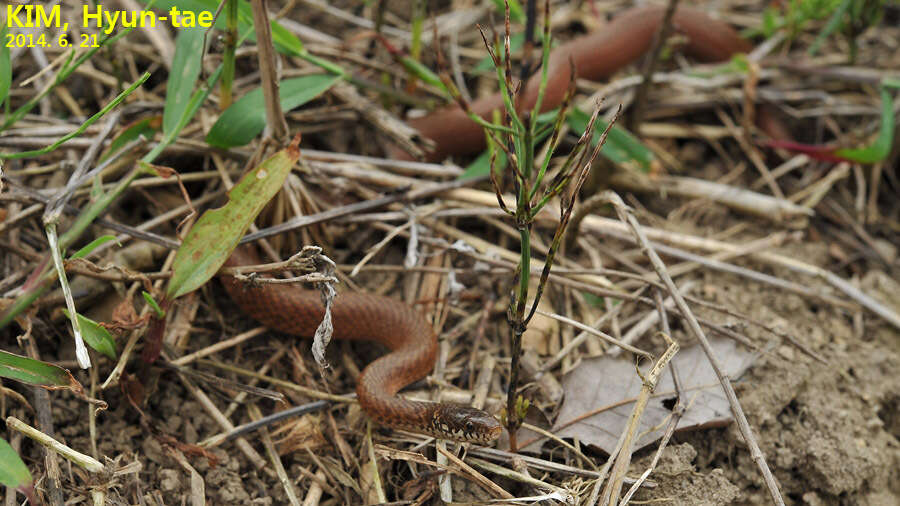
(594, 56)
(412, 341)
(365, 317)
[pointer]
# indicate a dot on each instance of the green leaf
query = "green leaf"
(481, 166)
(246, 118)
(183, 77)
(770, 21)
(833, 24)
(5, 65)
(880, 149)
(152, 303)
(217, 232)
(516, 41)
(424, 73)
(738, 64)
(284, 41)
(35, 372)
(96, 336)
(516, 12)
(592, 300)
(85, 251)
(621, 147)
(13, 472)
(197, 99)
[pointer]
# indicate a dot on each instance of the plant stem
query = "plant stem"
(228, 57)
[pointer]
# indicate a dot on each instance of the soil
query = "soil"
(828, 430)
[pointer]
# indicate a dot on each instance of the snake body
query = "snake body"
(365, 317)
(412, 341)
(594, 56)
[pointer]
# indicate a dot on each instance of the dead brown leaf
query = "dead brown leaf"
(600, 396)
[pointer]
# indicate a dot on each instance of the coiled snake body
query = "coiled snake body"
(364, 317)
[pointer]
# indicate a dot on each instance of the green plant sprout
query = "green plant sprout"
(517, 136)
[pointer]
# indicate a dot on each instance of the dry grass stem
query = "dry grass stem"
(275, 459)
(623, 459)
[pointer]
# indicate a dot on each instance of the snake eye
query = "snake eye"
(470, 427)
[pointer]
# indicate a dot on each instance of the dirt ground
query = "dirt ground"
(828, 430)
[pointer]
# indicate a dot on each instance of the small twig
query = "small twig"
(87, 268)
(366, 205)
(639, 102)
(315, 394)
(733, 197)
(78, 177)
(522, 478)
(623, 459)
(286, 481)
(220, 383)
(263, 422)
(582, 337)
(84, 461)
(398, 131)
(268, 70)
(104, 222)
(218, 347)
(238, 400)
(313, 277)
(541, 464)
(372, 466)
(562, 442)
(198, 486)
(591, 330)
(477, 477)
(677, 411)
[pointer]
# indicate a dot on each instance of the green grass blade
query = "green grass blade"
(833, 24)
(35, 372)
(880, 149)
(891, 82)
(424, 73)
(183, 77)
(246, 118)
(621, 146)
(86, 250)
(217, 232)
(13, 472)
(95, 335)
(481, 166)
(5, 65)
(84, 126)
(283, 40)
(153, 304)
(199, 96)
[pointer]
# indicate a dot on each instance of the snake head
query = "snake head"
(465, 424)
